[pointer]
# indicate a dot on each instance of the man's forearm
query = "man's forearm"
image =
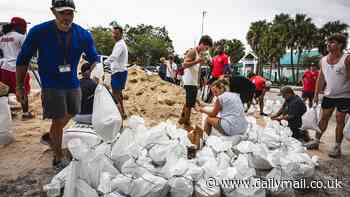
(21, 72)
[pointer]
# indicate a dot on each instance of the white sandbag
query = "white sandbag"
(98, 72)
(105, 185)
(135, 121)
(346, 130)
(84, 190)
(204, 155)
(120, 148)
(92, 168)
(195, 172)
(87, 135)
(258, 159)
(310, 119)
(223, 161)
(132, 168)
(114, 194)
(6, 135)
(201, 189)
(243, 168)
(13, 101)
(244, 146)
(149, 186)
(248, 190)
(106, 118)
(218, 144)
(121, 184)
(277, 175)
(71, 183)
(268, 106)
(158, 154)
(181, 187)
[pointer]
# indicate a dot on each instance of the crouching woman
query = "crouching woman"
(228, 114)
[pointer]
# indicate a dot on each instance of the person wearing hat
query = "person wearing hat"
(10, 45)
(292, 110)
(60, 44)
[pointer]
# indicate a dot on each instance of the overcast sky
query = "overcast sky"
(182, 18)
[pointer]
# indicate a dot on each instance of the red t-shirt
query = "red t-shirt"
(219, 62)
(309, 80)
(259, 82)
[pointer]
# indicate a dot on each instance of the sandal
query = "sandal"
(27, 116)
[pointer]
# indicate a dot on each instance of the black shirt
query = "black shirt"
(295, 108)
(243, 86)
(88, 87)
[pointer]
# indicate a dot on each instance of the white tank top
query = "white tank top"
(191, 74)
(337, 86)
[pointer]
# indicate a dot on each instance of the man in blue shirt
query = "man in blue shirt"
(59, 44)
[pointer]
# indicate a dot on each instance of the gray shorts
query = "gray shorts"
(59, 102)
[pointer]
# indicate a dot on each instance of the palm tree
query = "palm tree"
(327, 30)
(305, 30)
(281, 25)
(254, 38)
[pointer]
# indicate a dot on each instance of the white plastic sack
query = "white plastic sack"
(121, 147)
(310, 119)
(87, 135)
(106, 118)
(6, 135)
(84, 190)
(181, 187)
(149, 186)
(158, 154)
(346, 130)
(121, 184)
(201, 189)
(98, 72)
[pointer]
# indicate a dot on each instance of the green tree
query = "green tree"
(147, 44)
(254, 38)
(328, 29)
(103, 40)
(281, 29)
(305, 30)
(234, 49)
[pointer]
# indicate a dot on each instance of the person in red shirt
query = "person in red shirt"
(219, 62)
(309, 84)
(260, 90)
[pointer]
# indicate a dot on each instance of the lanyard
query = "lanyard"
(65, 46)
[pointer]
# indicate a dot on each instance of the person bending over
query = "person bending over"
(228, 113)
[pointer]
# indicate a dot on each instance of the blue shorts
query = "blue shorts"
(118, 80)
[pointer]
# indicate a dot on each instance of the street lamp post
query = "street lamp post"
(203, 15)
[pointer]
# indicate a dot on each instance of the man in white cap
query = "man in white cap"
(59, 43)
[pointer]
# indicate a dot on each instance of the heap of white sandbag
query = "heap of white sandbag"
(6, 135)
(150, 162)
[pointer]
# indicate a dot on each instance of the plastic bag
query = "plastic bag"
(149, 186)
(106, 118)
(84, 190)
(6, 135)
(121, 184)
(310, 119)
(181, 187)
(120, 149)
(201, 189)
(98, 72)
